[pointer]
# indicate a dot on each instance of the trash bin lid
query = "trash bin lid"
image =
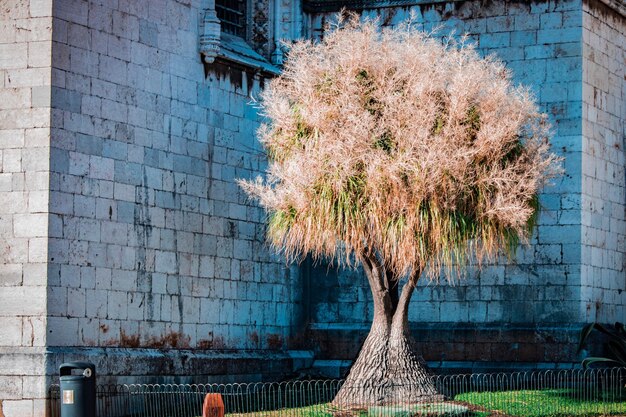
(81, 365)
(67, 378)
(88, 369)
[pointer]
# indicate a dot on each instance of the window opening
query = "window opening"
(232, 15)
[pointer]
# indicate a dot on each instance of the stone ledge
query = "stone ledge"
(125, 365)
(456, 326)
(453, 342)
(236, 51)
(339, 368)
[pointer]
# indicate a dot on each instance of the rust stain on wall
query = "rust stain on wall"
(274, 341)
(130, 341)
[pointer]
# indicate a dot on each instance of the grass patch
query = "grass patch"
(523, 403)
(326, 410)
(544, 403)
(318, 410)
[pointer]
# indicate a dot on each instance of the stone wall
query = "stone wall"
(125, 238)
(541, 297)
(604, 133)
(25, 45)
(152, 243)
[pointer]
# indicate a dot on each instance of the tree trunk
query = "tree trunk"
(388, 370)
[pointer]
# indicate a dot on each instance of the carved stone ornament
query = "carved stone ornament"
(210, 36)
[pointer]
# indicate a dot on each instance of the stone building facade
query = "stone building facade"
(529, 312)
(125, 240)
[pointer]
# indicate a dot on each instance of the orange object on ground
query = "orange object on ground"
(213, 406)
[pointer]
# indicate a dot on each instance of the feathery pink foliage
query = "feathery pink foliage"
(387, 140)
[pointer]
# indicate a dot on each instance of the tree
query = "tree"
(408, 156)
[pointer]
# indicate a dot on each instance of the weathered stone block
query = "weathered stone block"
(63, 331)
(495, 40)
(12, 301)
(76, 302)
(13, 55)
(11, 275)
(10, 335)
(15, 408)
(551, 20)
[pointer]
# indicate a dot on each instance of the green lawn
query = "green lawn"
(318, 410)
(544, 403)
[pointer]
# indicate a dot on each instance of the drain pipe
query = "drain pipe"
(277, 55)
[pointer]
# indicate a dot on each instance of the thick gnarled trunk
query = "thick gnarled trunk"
(388, 370)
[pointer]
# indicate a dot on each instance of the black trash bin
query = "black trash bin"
(78, 389)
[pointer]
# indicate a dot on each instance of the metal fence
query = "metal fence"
(597, 392)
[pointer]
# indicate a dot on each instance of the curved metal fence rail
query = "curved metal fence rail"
(597, 392)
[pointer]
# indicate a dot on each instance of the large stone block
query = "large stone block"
(17, 408)
(13, 55)
(11, 275)
(10, 334)
(495, 40)
(22, 301)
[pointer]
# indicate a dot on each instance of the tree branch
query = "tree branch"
(400, 318)
(384, 307)
(374, 269)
